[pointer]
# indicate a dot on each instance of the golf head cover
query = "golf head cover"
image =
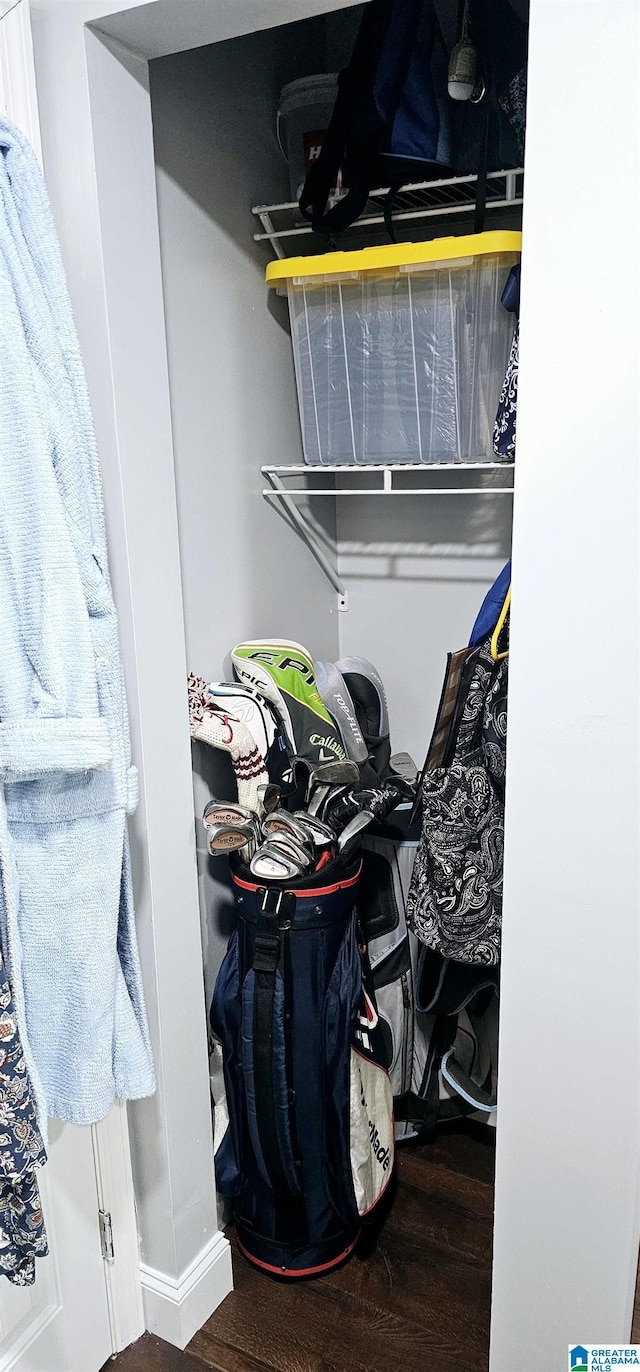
(262, 720)
(211, 724)
(367, 693)
(284, 673)
(335, 694)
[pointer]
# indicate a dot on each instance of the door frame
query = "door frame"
(110, 1136)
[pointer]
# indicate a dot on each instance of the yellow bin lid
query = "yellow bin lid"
(393, 256)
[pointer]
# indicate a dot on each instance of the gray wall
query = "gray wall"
(233, 401)
(234, 406)
(416, 570)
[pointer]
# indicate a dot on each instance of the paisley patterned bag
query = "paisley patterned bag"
(22, 1232)
(455, 899)
(504, 429)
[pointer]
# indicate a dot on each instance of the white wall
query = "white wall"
(566, 1226)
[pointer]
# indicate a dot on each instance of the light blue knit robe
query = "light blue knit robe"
(66, 780)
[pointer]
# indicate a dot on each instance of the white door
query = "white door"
(61, 1323)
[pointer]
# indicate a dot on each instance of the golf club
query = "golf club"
(321, 834)
(333, 773)
(269, 796)
(226, 812)
(291, 848)
(348, 840)
(320, 794)
(280, 821)
(271, 862)
(225, 838)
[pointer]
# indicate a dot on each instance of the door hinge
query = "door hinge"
(106, 1235)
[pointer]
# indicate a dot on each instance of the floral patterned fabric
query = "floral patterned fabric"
(22, 1231)
(455, 898)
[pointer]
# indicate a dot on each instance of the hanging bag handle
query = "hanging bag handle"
(497, 652)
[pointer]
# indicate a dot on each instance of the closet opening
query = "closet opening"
(385, 556)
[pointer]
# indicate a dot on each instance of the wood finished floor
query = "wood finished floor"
(420, 1299)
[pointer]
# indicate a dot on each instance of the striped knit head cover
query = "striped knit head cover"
(211, 724)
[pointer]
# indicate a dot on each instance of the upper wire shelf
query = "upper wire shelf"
(412, 204)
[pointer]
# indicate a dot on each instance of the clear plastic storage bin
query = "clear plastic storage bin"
(400, 352)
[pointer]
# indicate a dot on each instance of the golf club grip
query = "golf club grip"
(380, 802)
(344, 810)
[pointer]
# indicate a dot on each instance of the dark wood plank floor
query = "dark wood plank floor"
(421, 1298)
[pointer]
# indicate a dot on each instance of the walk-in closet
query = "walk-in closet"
(354, 568)
(311, 485)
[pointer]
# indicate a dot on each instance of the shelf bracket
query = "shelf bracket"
(285, 503)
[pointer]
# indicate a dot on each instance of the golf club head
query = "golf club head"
(269, 796)
(348, 840)
(336, 773)
(226, 812)
(226, 838)
(280, 821)
(315, 801)
(271, 863)
(287, 845)
(321, 834)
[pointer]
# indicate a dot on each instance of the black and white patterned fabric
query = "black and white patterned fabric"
(514, 103)
(504, 429)
(455, 899)
(22, 1231)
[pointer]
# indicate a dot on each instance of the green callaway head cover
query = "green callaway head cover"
(284, 673)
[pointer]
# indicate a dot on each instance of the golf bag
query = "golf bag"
(438, 1018)
(308, 1146)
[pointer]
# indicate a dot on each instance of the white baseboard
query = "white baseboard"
(176, 1307)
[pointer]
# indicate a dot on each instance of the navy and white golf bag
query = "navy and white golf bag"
(439, 1018)
(307, 1129)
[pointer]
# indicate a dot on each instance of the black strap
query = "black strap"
(356, 129)
(430, 1086)
(275, 909)
(481, 28)
(481, 186)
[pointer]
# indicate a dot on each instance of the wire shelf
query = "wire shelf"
(282, 225)
(284, 498)
(383, 479)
